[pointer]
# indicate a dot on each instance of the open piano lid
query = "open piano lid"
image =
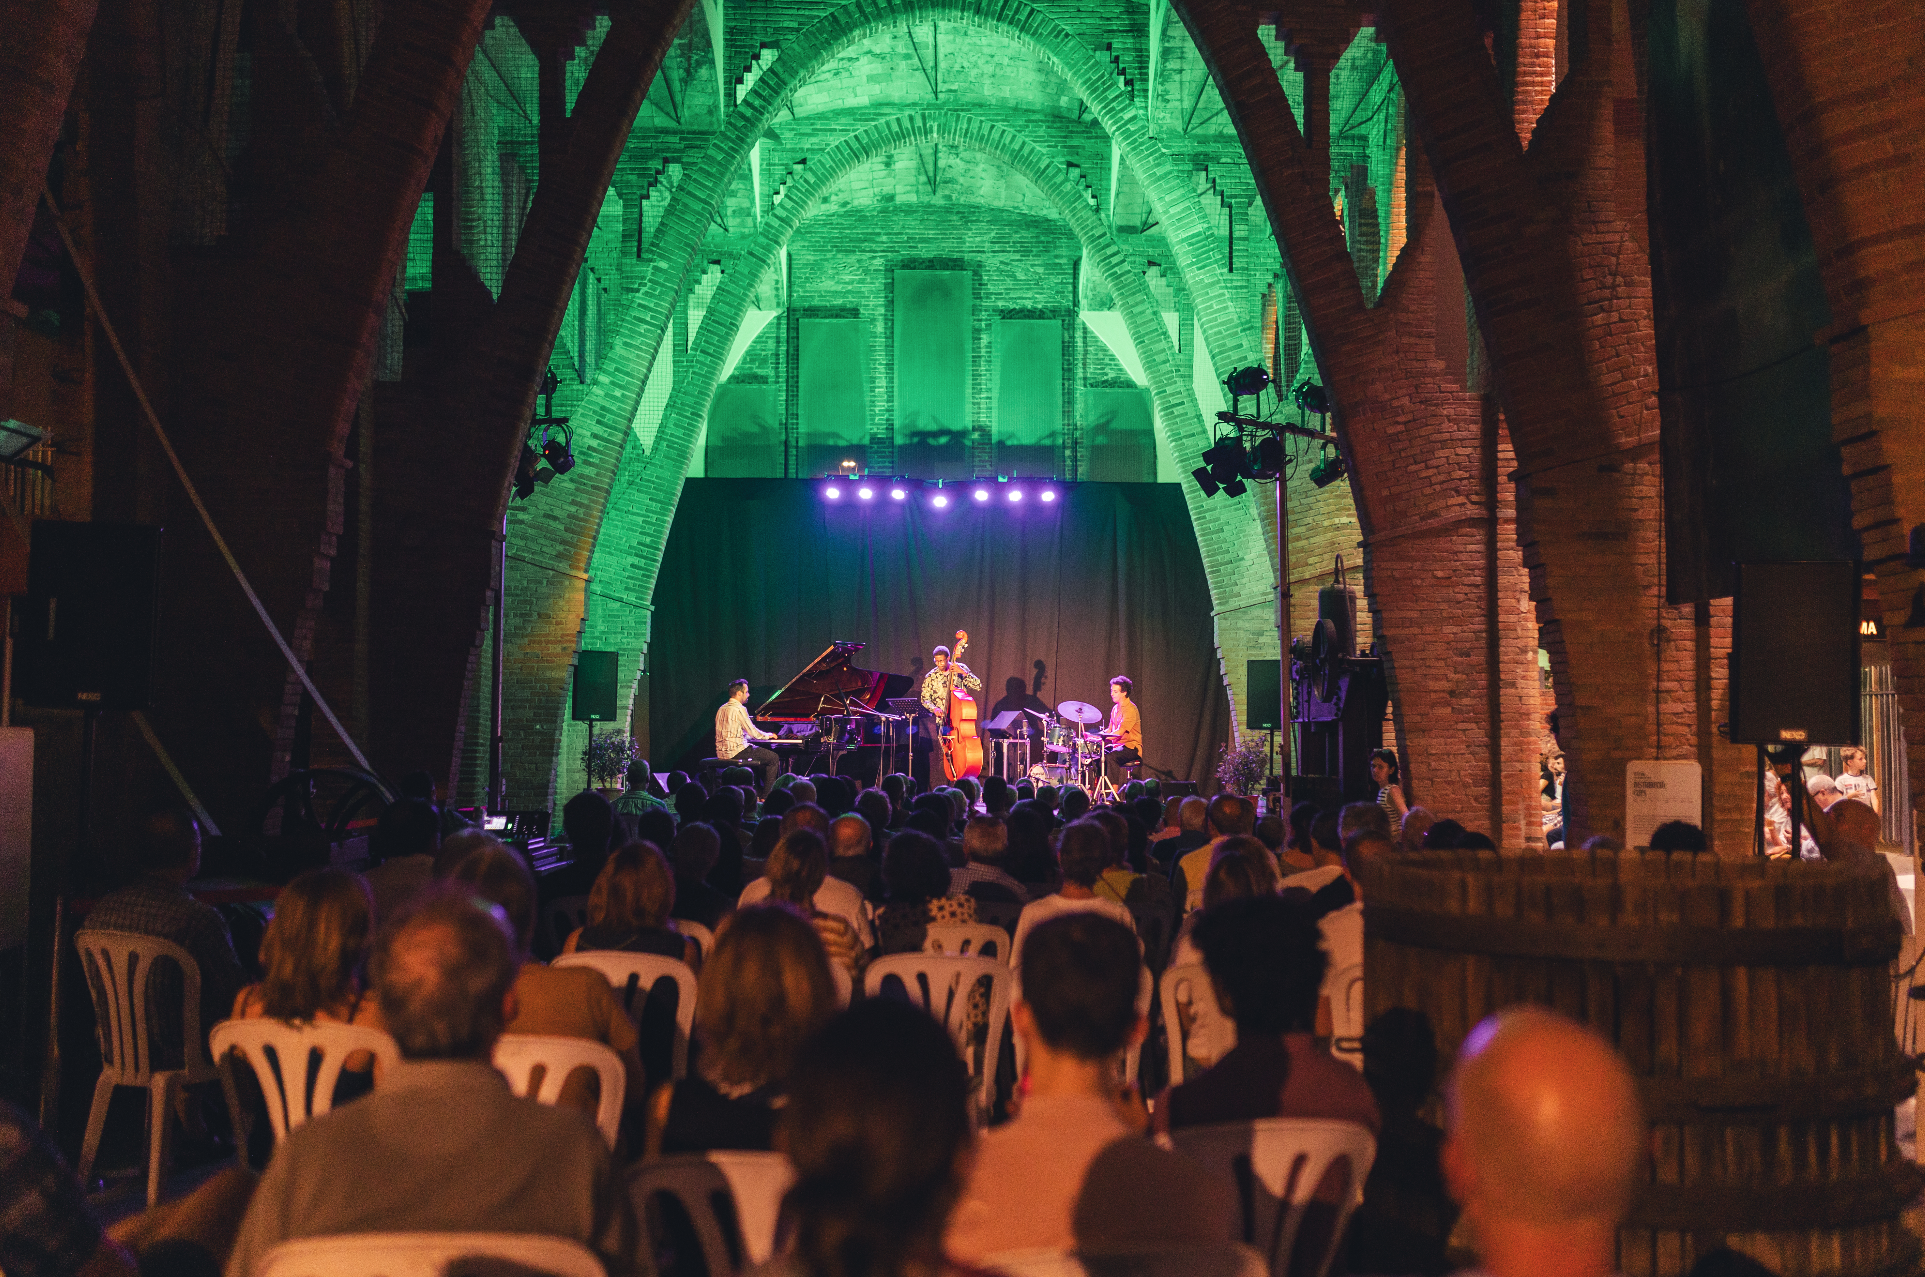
(828, 684)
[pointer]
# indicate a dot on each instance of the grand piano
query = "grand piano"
(834, 707)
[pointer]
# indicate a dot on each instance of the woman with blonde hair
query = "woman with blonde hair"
(313, 957)
(765, 990)
(629, 907)
(795, 870)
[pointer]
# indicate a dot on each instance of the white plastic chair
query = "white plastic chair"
(423, 1255)
(1277, 1164)
(282, 1055)
(518, 1055)
(704, 938)
(119, 967)
(560, 917)
(1347, 1015)
(1232, 1260)
(632, 975)
(1190, 985)
(942, 986)
(749, 1185)
(967, 940)
(844, 982)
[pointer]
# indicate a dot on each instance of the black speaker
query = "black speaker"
(86, 638)
(594, 700)
(1263, 688)
(1337, 604)
(1794, 653)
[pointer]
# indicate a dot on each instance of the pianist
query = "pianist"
(734, 731)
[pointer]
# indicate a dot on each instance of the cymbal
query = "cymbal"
(1080, 712)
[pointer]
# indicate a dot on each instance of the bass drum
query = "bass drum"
(1051, 773)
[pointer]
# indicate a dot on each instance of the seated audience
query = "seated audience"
(1226, 816)
(566, 1002)
(694, 853)
(1265, 966)
(588, 823)
(1405, 1220)
(157, 903)
(1443, 835)
(1675, 835)
(1297, 853)
(1048, 796)
(1545, 1145)
(1342, 927)
(1073, 803)
(1082, 852)
(455, 848)
(639, 797)
(873, 805)
(985, 851)
(443, 1145)
(849, 853)
(49, 1231)
(1117, 875)
(880, 1134)
(1358, 818)
(1030, 860)
(1417, 823)
(833, 897)
(768, 832)
(765, 989)
(797, 870)
(1235, 874)
(1072, 1170)
(998, 797)
(916, 880)
(629, 909)
(313, 958)
(402, 849)
(1191, 817)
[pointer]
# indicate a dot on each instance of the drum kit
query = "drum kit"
(1072, 754)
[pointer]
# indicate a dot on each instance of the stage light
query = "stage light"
(1015, 494)
(1247, 381)
(557, 452)
(982, 494)
(865, 492)
(897, 494)
(1047, 494)
(1203, 480)
(1234, 488)
(525, 473)
(1270, 457)
(832, 492)
(1328, 470)
(940, 501)
(1311, 398)
(1227, 461)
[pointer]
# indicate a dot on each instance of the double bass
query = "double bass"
(962, 748)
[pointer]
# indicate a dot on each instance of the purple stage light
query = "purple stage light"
(940, 501)
(1048, 494)
(832, 492)
(1015, 494)
(982, 494)
(897, 494)
(865, 492)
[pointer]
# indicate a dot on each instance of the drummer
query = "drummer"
(1124, 732)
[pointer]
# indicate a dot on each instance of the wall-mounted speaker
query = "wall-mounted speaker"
(1794, 653)
(1263, 689)
(594, 696)
(86, 637)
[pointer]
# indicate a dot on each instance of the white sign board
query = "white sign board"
(1660, 790)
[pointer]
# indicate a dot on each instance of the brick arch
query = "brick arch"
(555, 536)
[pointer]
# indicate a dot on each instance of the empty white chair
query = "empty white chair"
(424, 1255)
(1188, 986)
(282, 1056)
(942, 985)
(119, 967)
(734, 1200)
(1347, 1015)
(1232, 1260)
(704, 938)
(560, 917)
(518, 1055)
(632, 975)
(967, 940)
(1277, 1164)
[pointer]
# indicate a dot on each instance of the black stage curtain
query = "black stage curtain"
(760, 575)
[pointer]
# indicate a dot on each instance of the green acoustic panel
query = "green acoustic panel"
(832, 392)
(1119, 436)
(932, 323)
(745, 434)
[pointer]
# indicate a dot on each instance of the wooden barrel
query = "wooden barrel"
(1752, 998)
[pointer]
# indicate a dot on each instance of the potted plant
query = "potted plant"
(1244, 766)
(606, 760)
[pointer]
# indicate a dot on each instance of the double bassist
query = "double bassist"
(946, 674)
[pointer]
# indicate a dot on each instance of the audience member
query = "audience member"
(1031, 860)
(1601, 842)
(806, 815)
(1390, 791)
(873, 805)
(1270, 832)
(1191, 814)
(1475, 840)
(917, 879)
(998, 798)
(568, 1002)
(402, 849)
(849, 853)
(1443, 835)
(1117, 875)
(1545, 1145)
(1359, 818)
(1405, 1220)
(1265, 966)
(1226, 816)
(456, 848)
(443, 1145)
(1297, 854)
(157, 903)
(1082, 851)
(313, 959)
(804, 792)
(895, 786)
(640, 795)
(47, 1229)
(694, 854)
(629, 909)
(689, 801)
(1342, 927)
(1852, 781)
(1235, 874)
(588, 823)
(798, 871)
(879, 1133)
(834, 897)
(1416, 823)
(1072, 804)
(982, 875)
(1071, 1171)
(764, 990)
(1676, 835)
(1048, 796)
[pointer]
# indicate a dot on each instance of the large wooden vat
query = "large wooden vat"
(1753, 1000)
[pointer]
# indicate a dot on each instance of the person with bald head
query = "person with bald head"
(1546, 1144)
(443, 1145)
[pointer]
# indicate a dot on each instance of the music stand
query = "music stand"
(1010, 741)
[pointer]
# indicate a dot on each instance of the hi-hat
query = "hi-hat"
(1080, 712)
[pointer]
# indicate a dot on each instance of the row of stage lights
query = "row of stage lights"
(939, 497)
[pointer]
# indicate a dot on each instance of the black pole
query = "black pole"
(497, 781)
